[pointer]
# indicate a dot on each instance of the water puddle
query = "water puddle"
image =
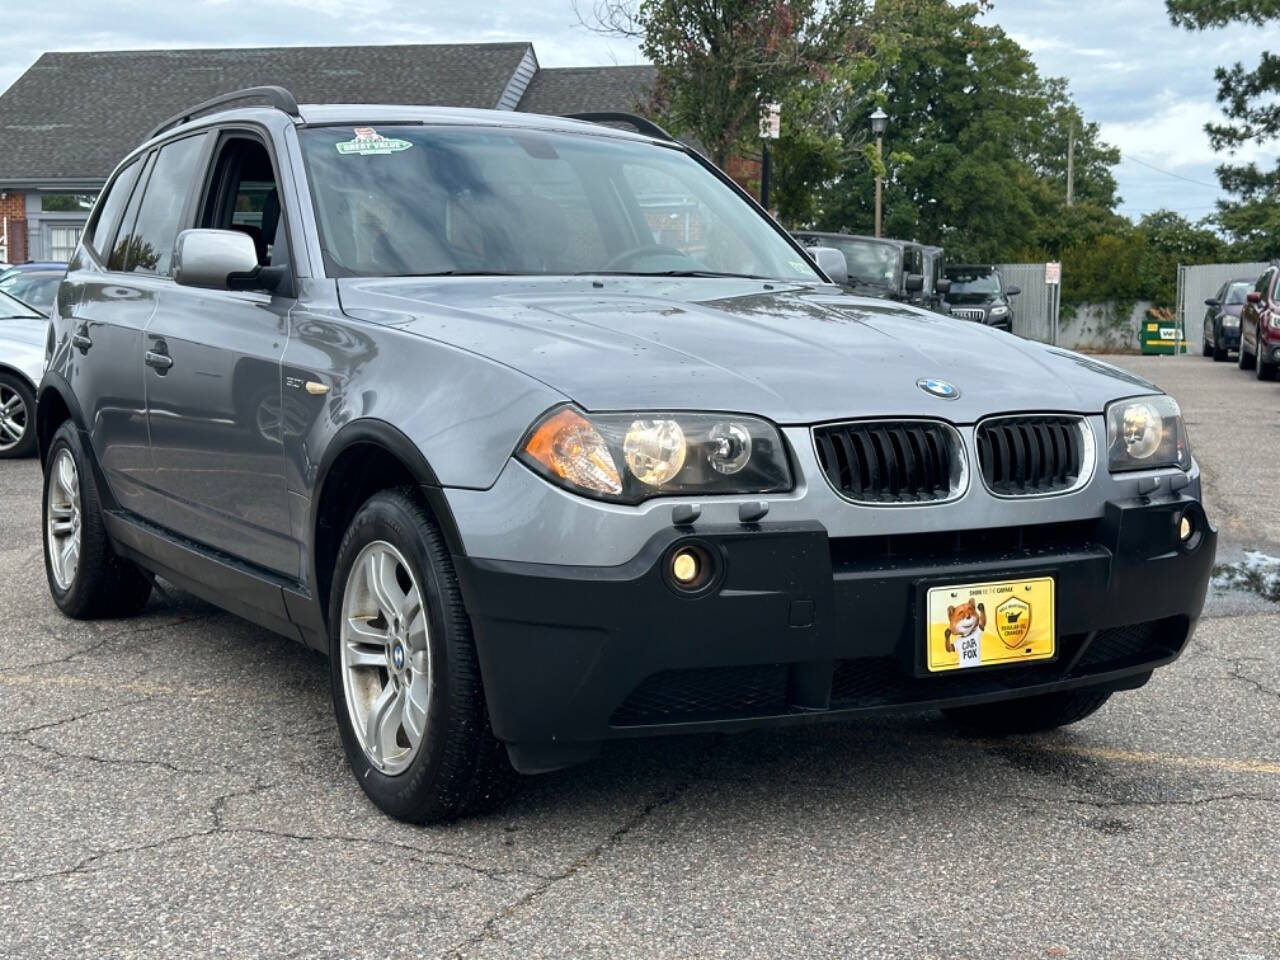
(1257, 573)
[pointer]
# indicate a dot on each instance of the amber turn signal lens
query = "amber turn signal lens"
(568, 446)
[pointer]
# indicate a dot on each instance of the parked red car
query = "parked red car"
(1260, 326)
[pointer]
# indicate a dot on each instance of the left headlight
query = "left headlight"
(999, 311)
(632, 457)
(1146, 433)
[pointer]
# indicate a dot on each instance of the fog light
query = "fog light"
(1186, 528)
(686, 567)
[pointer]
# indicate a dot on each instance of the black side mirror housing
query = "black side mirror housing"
(1012, 291)
(1212, 302)
(942, 285)
(914, 282)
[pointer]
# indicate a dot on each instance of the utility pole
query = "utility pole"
(1071, 163)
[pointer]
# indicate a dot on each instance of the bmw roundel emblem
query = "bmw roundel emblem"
(938, 388)
(397, 656)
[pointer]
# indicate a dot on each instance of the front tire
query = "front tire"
(17, 418)
(1263, 369)
(86, 577)
(1030, 714)
(403, 671)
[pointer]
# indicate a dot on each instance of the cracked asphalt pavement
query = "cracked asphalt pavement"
(174, 785)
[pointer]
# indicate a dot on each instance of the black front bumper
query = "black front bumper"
(797, 625)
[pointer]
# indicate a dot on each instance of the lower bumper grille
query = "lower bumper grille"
(675, 696)
(722, 693)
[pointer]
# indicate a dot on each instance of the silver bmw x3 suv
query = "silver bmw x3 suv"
(546, 434)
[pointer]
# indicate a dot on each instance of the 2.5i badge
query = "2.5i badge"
(369, 142)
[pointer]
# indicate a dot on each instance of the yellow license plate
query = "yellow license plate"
(988, 624)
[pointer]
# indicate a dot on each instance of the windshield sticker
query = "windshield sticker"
(370, 143)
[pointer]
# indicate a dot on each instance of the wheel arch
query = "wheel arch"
(55, 404)
(366, 456)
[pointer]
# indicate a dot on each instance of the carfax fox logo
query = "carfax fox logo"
(1013, 621)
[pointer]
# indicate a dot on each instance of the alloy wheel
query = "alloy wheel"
(13, 418)
(386, 657)
(63, 512)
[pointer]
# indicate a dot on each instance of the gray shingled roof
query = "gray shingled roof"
(585, 89)
(74, 115)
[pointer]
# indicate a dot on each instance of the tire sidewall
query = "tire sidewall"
(26, 447)
(382, 518)
(67, 439)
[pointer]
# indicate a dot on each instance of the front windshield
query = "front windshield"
(973, 283)
(33, 287)
(11, 307)
(1237, 292)
(417, 201)
(870, 263)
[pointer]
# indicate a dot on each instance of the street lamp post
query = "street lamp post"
(879, 120)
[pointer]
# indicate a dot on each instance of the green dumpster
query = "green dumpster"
(1162, 336)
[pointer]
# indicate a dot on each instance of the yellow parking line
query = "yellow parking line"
(1117, 755)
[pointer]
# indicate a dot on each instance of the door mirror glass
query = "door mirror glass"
(217, 259)
(1012, 291)
(914, 282)
(831, 262)
(1212, 302)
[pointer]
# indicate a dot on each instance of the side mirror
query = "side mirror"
(1212, 302)
(942, 285)
(914, 282)
(225, 260)
(831, 262)
(1254, 297)
(1012, 291)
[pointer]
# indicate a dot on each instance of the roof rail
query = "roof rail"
(278, 97)
(643, 125)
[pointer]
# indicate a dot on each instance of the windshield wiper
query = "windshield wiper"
(676, 273)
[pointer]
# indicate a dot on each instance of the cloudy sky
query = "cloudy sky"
(1149, 84)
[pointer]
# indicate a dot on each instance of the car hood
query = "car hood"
(22, 342)
(796, 354)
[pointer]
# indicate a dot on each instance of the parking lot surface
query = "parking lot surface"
(174, 785)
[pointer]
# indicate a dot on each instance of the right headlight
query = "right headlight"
(632, 457)
(999, 311)
(1146, 433)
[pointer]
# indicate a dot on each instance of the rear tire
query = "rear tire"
(1030, 714)
(86, 577)
(17, 418)
(1245, 359)
(403, 669)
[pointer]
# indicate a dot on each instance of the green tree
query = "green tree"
(1251, 100)
(720, 61)
(977, 142)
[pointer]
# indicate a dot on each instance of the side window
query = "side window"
(243, 195)
(100, 232)
(124, 234)
(1263, 281)
(150, 244)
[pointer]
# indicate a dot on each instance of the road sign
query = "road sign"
(771, 121)
(1053, 274)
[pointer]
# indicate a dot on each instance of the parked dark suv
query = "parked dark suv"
(979, 293)
(448, 395)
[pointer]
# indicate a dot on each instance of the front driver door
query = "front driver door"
(213, 381)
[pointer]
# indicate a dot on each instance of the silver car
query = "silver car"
(547, 435)
(24, 331)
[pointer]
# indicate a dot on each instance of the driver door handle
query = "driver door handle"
(81, 341)
(158, 361)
